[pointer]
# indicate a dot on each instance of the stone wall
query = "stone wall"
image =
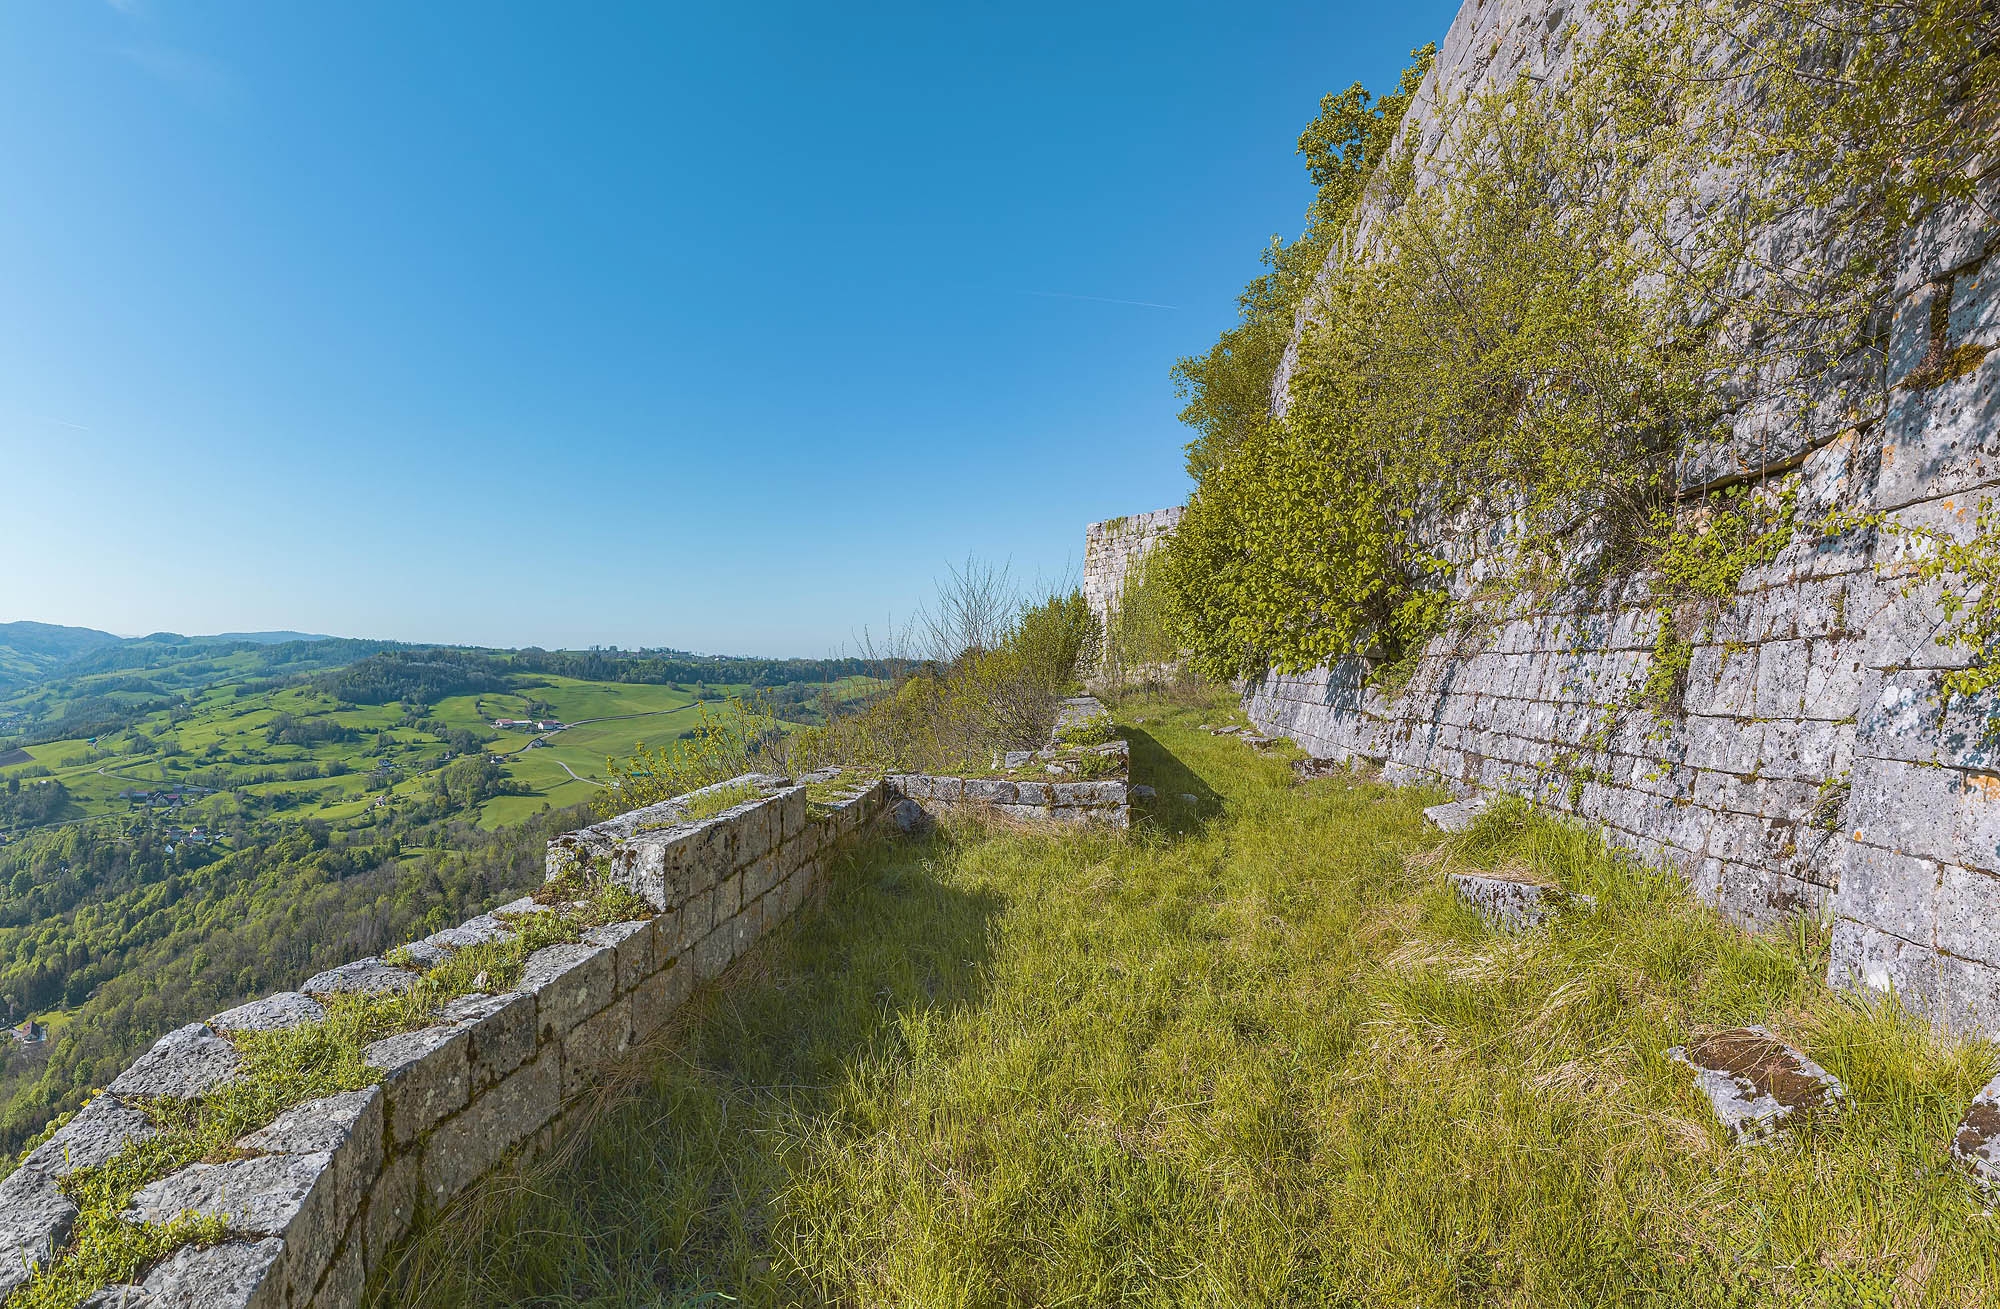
(1812, 768)
(1040, 786)
(1111, 549)
(315, 1200)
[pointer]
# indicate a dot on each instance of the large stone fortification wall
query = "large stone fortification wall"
(1812, 769)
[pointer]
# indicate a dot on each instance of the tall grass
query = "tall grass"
(1256, 1054)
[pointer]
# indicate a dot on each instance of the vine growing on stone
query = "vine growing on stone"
(1538, 317)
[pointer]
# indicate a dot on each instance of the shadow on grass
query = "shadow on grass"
(675, 1194)
(1182, 802)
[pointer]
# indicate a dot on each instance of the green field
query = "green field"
(215, 747)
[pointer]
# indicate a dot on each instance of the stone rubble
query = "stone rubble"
(1516, 904)
(1757, 1084)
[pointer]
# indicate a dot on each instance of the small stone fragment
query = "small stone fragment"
(1143, 793)
(1757, 1083)
(1977, 1144)
(1456, 816)
(184, 1063)
(1515, 904)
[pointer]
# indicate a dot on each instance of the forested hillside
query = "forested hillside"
(187, 822)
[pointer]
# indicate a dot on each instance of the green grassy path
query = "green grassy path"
(1256, 1055)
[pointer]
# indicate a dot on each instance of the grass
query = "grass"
(1257, 1054)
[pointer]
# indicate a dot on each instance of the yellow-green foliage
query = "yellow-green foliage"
(952, 717)
(1526, 331)
(727, 742)
(1257, 1055)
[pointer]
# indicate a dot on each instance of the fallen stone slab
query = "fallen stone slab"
(1977, 1143)
(1757, 1084)
(1515, 903)
(183, 1064)
(1456, 816)
(1311, 769)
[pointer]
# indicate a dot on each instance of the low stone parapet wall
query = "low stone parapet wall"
(309, 1204)
(1064, 782)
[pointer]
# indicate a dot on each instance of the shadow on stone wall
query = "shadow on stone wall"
(670, 1195)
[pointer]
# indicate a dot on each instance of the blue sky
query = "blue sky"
(725, 328)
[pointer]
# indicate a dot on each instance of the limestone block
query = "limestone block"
(35, 1219)
(1968, 995)
(681, 981)
(362, 977)
(757, 829)
(632, 945)
(650, 1004)
(392, 1204)
(344, 1283)
(124, 1295)
(426, 1074)
(728, 896)
(714, 951)
(348, 1126)
(791, 809)
(285, 1009)
(1088, 793)
(979, 790)
(1457, 816)
(1908, 808)
(1943, 440)
(184, 1063)
(1954, 234)
(1757, 1084)
(440, 945)
(1900, 718)
(666, 937)
(1975, 307)
(276, 1195)
(750, 925)
(1726, 745)
(1910, 333)
(697, 918)
(570, 983)
(1781, 679)
(762, 875)
(594, 1043)
(1968, 907)
(469, 1144)
(233, 1275)
(99, 1131)
(1864, 955)
(499, 1031)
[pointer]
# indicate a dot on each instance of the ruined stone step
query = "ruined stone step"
(1515, 902)
(1757, 1084)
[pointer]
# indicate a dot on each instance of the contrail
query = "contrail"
(1100, 299)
